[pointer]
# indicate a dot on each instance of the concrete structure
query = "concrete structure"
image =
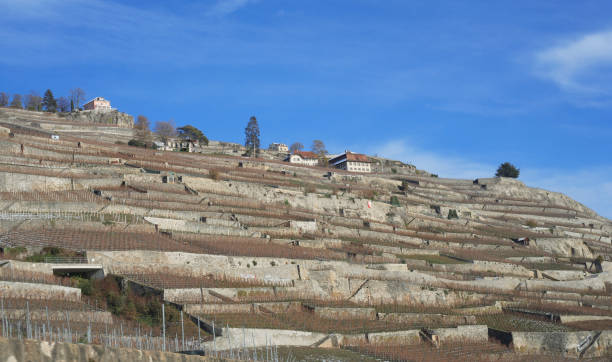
(98, 104)
(353, 162)
(278, 147)
(303, 158)
(178, 144)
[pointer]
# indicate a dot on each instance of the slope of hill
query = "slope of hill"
(260, 253)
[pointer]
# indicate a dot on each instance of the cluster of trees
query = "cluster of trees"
(164, 130)
(48, 102)
(318, 147)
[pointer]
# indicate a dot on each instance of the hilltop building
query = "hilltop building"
(353, 162)
(98, 104)
(278, 147)
(303, 158)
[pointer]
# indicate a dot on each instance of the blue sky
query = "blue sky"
(454, 87)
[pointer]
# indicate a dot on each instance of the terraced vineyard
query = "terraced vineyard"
(248, 255)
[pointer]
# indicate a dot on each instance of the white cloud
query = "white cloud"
(575, 65)
(442, 165)
(589, 186)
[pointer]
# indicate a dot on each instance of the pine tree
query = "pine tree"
(507, 169)
(251, 133)
(49, 102)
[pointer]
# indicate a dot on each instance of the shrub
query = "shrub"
(136, 143)
(507, 169)
(214, 174)
(531, 223)
(309, 189)
(452, 214)
(395, 201)
(85, 285)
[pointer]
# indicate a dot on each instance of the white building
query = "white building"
(353, 162)
(278, 147)
(177, 144)
(303, 158)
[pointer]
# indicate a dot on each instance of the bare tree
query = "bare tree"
(4, 99)
(77, 96)
(296, 146)
(63, 104)
(318, 147)
(33, 102)
(143, 129)
(16, 102)
(165, 130)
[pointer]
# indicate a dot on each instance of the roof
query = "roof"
(350, 156)
(96, 99)
(306, 154)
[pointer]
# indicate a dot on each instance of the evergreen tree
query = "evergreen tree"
(49, 103)
(507, 169)
(251, 133)
(192, 133)
(71, 105)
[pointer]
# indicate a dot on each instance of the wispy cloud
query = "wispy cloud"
(579, 65)
(442, 165)
(590, 186)
(225, 7)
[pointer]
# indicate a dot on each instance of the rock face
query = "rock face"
(113, 117)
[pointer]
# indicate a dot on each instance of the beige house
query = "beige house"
(353, 162)
(97, 104)
(278, 147)
(303, 158)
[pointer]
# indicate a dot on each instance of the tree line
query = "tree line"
(164, 130)
(47, 103)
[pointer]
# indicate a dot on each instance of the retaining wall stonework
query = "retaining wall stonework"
(346, 313)
(13, 350)
(565, 343)
(54, 315)
(39, 291)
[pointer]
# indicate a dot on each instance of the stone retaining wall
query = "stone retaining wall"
(39, 291)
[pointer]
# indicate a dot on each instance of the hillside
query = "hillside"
(261, 253)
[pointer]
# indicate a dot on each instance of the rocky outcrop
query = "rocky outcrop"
(113, 117)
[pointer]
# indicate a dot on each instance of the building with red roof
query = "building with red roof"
(303, 158)
(353, 162)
